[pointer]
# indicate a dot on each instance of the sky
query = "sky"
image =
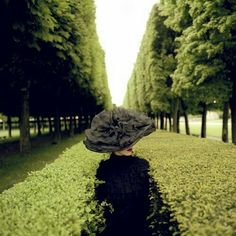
(120, 27)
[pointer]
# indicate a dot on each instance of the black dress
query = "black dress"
(126, 187)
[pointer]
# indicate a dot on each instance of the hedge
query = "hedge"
(197, 179)
(59, 200)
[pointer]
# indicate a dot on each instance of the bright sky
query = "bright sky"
(120, 26)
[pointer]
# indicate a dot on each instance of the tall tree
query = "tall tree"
(51, 49)
(154, 65)
(202, 66)
(206, 49)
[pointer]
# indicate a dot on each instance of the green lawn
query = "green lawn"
(16, 134)
(15, 168)
(214, 128)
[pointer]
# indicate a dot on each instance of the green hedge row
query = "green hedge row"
(197, 178)
(59, 200)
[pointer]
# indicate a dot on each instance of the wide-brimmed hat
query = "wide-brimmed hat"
(117, 129)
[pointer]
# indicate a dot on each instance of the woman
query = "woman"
(125, 177)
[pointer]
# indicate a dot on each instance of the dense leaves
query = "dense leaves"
(51, 64)
(149, 88)
(202, 67)
(51, 48)
(197, 180)
(59, 200)
(193, 43)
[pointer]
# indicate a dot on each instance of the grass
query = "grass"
(16, 134)
(15, 168)
(214, 128)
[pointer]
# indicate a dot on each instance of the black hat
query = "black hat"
(117, 129)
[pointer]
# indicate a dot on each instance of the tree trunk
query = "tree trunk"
(35, 125)
(170, 124)
(65, 123)
(25, 146)
(3, 125)
(204, 116)
(71, 133)
(175, 115)
(39, 126)
(43, 125)
(74, 121)
(178, 123)
(184, 107)
(166, 121)
(162, 116)
(50, 125)
(225, 137)
(9, 126)
(157, 121)
(79, 123)
(187, 129)
(57, 133)
(57, 119)
(233, 112)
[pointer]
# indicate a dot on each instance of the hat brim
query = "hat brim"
(118, 129)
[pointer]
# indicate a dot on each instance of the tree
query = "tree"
(51, 51)
(206, 50)
(154, 65)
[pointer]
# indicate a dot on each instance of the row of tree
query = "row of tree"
(67, 126)
(51, 62)
(186, 63)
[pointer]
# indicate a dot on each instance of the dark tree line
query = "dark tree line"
(51, 62)
(186, 63)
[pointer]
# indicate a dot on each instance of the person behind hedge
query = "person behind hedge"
(125, 176)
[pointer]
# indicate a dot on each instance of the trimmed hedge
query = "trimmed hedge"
(59, 200)
(197, 178)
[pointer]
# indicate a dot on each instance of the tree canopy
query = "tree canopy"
(51, 59)
(188, 53)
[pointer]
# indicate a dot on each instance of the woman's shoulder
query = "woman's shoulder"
(141, 160)
(141, 163)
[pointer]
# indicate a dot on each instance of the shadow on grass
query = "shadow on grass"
(15, 167)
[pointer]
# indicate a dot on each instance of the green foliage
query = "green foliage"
(177, 13)
(59, 200)
(150, 83)
(203, 64)
(195, 176)
(197, 180)
(14, 167)
(53, 50)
